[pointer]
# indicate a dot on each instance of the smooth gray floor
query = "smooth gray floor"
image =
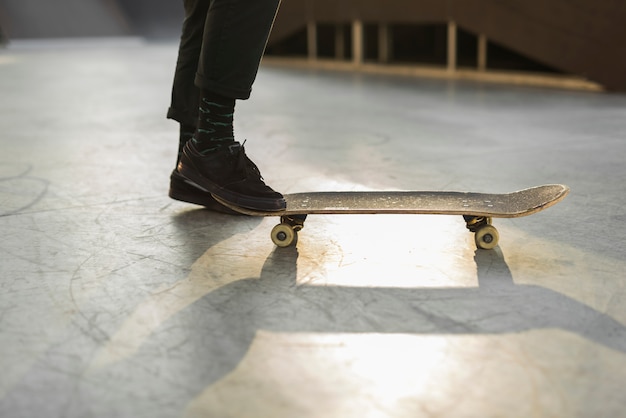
(116, 301)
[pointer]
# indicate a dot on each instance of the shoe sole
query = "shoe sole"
(235, 199)
(182, 190)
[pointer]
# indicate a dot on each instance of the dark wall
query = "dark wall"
(154, 18)
(28, 19)
(24, 19)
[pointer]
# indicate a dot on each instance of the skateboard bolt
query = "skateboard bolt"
(488, 238)
(281, 236)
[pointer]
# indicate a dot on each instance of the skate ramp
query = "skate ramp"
(577, 37)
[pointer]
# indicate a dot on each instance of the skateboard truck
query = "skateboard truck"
(486, 236)
(286, 232)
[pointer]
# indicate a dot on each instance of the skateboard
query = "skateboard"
(477, 209)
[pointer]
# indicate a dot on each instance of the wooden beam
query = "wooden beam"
(357, 42)
(311, 39)
(452, 46)
(482, 52)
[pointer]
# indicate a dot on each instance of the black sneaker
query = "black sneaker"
(181, 189)
(230, 175)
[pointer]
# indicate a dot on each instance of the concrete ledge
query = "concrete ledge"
(489, 76)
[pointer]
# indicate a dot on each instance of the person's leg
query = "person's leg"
(235, 37)
(185, 94)
(185, 99)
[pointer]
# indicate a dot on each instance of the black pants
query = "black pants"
(221, 46)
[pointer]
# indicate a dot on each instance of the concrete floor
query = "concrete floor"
(119, 302)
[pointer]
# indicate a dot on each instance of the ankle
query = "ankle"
(215, 122)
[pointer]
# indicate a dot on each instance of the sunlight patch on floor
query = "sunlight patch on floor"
(387, 251)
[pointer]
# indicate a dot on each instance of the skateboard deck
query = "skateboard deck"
(477, 209)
